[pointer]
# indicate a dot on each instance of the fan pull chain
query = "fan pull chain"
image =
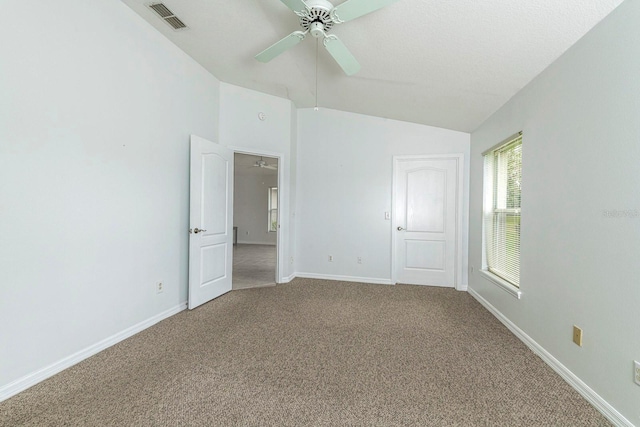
(316, 107)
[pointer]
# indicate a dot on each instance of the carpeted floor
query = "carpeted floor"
(315, 353)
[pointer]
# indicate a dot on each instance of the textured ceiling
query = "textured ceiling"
(449, 64)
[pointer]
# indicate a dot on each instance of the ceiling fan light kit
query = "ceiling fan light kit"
(317, 17)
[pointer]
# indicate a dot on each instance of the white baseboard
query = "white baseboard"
(34, 378)
(372, 280)
(288, 278)
(591, 396)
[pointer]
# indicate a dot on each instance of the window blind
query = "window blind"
(502, 195)
(273, 209)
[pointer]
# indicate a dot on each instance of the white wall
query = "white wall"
(251, 207)
(95, 117)
(242, 130)
(344, 187)
(581, 156)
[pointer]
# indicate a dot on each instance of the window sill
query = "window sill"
(502, 284)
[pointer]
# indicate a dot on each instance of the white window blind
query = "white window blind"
(273, 209)
(502, 185)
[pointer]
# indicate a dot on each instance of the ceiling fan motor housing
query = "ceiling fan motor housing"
(317, 18)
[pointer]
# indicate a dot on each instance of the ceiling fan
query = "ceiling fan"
(262, 164)
(317, 17)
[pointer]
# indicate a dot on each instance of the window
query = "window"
(502, 185)
(273, 209)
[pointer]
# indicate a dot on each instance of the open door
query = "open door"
(210, 219)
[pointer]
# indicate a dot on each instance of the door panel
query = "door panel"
(426, 200)
(425, 255)
(425, 215)
(213, 263)
(211, 228)
(214, 194)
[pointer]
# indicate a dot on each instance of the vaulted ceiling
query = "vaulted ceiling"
(448, 63)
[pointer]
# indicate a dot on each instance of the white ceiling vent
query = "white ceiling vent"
(167, 16)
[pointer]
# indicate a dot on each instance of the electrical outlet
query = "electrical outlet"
(471, 269)
(359, 260)
(636, 371)
(159, 287)
(577, 335)
(291, 260)
(330, 258)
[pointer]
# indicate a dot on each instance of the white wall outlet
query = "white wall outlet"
(291, 260)
(471, 269)
(359, 260)
(387, 215)
(330, 258)
(159, 287)
(636, 371)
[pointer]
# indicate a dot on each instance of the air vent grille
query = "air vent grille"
(161, 10)
(167, 16)
(175, 22)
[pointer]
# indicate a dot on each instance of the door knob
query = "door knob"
(399, 228)
(198, 230)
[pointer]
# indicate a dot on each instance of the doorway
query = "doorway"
(256, 200)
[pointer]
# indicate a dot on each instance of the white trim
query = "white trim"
(459, 282)
(371, 280)
(502, 284)
(34, 378)
(585, 391)
(288, 279)
(283, 195)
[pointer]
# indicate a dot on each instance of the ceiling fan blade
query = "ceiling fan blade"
(352, 9)
(279, 47)
(341, 54)
(295, 5)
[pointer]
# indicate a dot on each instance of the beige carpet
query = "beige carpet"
(313, 353)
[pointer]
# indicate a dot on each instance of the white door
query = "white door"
(425, 218)
(210, 219)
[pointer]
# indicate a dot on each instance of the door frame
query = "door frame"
(282, 192)
(460, 190)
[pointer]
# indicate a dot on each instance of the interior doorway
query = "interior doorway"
(256, 201)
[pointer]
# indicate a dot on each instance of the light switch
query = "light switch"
(387, 215)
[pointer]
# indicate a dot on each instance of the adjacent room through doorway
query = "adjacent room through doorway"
(255, 221)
